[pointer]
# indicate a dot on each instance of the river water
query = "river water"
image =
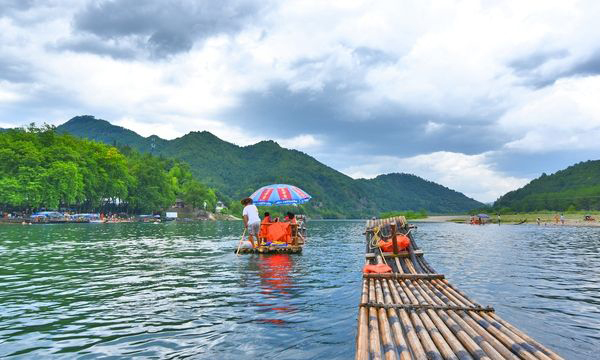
(178, 290)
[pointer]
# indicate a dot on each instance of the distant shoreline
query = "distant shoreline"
(531, 219)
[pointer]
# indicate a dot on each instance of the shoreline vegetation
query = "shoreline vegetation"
(42, 170)
(408, 214)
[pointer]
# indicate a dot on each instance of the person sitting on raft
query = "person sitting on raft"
(290, 217)
(264, 228)
(251, 219)
(267, 218)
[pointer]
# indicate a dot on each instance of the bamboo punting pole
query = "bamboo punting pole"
(362, 336)
(389, 350)
(374, 343)
(409, 329)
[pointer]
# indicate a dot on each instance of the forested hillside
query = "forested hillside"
(236, 172)
(577, 186)
(40, 168)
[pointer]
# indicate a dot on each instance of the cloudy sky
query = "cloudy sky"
(480, 96)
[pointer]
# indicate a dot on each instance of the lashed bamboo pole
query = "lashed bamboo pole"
(505, 341)
(462, 331)
(422, 333)
(409, 329)
(449, 337)
(396, 325)
(362, 336)
(532, 341)
(425, 316)
(489, 322)
(481, 332)
(374, 343)
(389, 350)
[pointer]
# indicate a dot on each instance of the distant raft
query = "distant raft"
(408, 311)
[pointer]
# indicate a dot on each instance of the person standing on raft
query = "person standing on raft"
(251, 219)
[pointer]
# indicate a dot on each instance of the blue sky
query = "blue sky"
(480, 96)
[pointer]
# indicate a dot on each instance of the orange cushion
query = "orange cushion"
(377, 269)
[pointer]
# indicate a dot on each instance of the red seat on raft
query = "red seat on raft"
(402, 240)
(377, 269)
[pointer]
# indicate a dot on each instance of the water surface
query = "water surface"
(178, 290)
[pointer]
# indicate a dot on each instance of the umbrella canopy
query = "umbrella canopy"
(279, 194)
(483, 216)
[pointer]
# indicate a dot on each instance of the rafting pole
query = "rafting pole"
(240, 244)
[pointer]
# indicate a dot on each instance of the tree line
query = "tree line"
(42, 169)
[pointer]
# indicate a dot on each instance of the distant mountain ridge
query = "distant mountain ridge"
(237, 171)
(577, 186)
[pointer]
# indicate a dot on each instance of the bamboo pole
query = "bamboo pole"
(425, 316)
(362, 336)
(532, 341)
(409, 330)
(396, 324)
(374, 343)
(499, 331)
(389, 350)
(240, 243)
(422, 333)
(471, 332)
(500, 341)
(434, 315)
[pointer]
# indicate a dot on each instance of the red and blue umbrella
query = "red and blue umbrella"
(279, 194)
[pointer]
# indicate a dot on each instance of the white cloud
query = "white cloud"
(473, 175)
(565, 116)
(445, 60)
(301, 142)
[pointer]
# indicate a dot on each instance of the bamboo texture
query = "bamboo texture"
(415, 313)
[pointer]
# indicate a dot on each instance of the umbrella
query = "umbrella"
(279, 194)
(483, 216)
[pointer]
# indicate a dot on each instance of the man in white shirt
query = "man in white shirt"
(251, 219)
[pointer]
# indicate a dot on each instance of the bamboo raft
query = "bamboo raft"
(295, 245)
(290, 249)
(415, 313)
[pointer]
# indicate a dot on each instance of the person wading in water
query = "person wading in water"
(251, 219)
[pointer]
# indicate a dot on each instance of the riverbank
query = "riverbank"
(513, 219)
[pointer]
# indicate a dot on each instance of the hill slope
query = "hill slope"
(577, 185)
(237, 171)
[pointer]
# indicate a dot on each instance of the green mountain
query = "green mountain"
(577, 186)
(237, 171)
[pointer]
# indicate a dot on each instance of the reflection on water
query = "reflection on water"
(178, 290)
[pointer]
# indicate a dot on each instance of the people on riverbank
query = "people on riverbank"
(251, 219)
